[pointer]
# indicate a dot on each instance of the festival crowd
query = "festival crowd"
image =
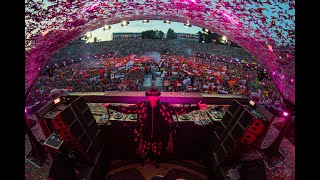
(181, 66)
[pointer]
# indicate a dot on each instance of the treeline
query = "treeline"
(203, 37)
(151, 34)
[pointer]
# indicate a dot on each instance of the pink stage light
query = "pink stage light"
(285, 114)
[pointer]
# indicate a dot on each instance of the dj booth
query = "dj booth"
(88, 130)
(191, 139)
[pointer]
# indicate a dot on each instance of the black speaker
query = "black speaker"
(215, 141)
(68, 115)
(221, 131)
(228, 144)
(246, 119)
(234, 106)
(221, 154)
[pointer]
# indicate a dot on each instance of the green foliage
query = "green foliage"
(151, 34)
(171, 34)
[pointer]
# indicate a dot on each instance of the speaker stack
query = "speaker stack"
(235, 134)
(77, 127)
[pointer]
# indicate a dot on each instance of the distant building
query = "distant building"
(187, 36)
(120, 36)
(80, 39)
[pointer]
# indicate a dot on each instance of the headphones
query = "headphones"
(153, 94)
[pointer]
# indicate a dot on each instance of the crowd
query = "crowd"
(125, 71)
(142, 46)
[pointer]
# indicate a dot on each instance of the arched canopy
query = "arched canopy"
(265, 29)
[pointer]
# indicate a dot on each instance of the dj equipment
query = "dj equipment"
(76, 126)
(235, 134)
(185, 120)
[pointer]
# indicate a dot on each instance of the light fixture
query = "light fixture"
(106, 28)
(224, 39)
(187, 24)
(124, 23)
(167, 22)
(88, 35)
(206, 31)
(285, 114)
(145, 21)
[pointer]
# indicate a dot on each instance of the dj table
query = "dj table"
(192, 129)
(191, 137)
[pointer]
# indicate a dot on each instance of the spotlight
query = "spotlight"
(206, 31)
(167, 22)
(88, 35)
(187, 25)
(124, 23)
(285, 114)
(107, 28)
(145, 21)
(224, 39)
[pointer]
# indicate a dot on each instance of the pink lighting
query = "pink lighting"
(255, 35)
(285, 114)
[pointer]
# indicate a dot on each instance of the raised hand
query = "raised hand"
(202, 106)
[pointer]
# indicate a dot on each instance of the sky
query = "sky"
(138, 26)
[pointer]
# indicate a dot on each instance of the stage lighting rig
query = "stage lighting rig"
(224, 39)
(124, 24)
(106, 28)
(206, 31)
(187, 25)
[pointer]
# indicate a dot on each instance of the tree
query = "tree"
(150, 34)
(170, 34)
(159, 34)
